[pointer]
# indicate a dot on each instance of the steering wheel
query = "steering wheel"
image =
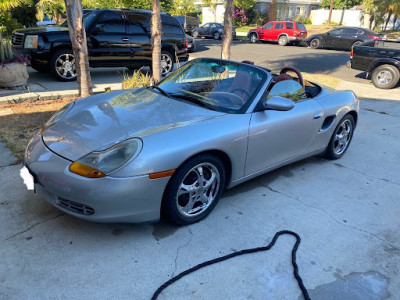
(295, 70)
(241, 90)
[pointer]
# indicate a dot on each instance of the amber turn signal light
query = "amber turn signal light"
(85, 170)
(161, 174)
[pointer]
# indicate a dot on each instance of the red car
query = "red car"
(283, 32)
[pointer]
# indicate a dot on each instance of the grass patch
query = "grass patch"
(18, 128)
(244, 28)
(323, 79)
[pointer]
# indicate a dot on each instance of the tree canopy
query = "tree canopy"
(340, 4)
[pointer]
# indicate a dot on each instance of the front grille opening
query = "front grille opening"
(75, 207)
(17, 39)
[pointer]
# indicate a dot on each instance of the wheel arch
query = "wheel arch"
(254, 32)
(225, 159)
(384, 61)
(354, 115)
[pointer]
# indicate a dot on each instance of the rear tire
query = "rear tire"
(167, 62)
(356, 43)
(195, 34)
(385, 77)
(216, 35)
(194, 190)
(283, 40)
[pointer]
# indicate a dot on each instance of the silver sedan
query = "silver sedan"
(172, 149)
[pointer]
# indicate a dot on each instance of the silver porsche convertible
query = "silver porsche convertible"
(171, 149)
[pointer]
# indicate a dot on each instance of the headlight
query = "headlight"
(101, 163)
(31, 42)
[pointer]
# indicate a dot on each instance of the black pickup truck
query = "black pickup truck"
(115, 38)
(381, 61)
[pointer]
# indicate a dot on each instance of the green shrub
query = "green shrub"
(303, 20)
(8, 24)
(137, 80)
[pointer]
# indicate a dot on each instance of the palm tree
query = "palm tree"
(52, 6)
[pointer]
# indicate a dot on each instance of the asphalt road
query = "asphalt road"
(273, 56)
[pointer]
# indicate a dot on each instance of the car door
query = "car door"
(333, 38)
(349, 36)
(204, 30)
(109, 40)
(265, 33)
(276, 31)
(140, 39)
(279, 136)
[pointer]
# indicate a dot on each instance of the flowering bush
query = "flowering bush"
(240, 17)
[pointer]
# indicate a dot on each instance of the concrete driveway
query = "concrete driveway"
(346, 212)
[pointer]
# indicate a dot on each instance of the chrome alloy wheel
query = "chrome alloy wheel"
(65, 66)
(166, 63)
(253, 38)
(342, 137)
(198, 189)
(384, 77)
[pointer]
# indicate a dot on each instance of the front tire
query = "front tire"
(315, 43)
(341, 138)
(194, 190)
(195, 34)
(62, 65)
(283, 40)
(253, 38)
(385, 77)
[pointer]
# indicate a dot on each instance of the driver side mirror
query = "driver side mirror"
(278, 103)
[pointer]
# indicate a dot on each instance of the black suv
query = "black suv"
(115, 38)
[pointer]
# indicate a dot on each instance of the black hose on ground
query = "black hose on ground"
(242, 252)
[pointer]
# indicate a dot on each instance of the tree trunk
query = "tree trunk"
(371, 20)
(227, 38)
(156, 40)
(330, 13)
(388, 18)
(394, 21)
(77, 34)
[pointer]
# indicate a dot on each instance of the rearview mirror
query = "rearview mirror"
(279, 103)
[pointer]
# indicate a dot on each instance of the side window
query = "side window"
(206, 25)
(278, 25)
(170, 25)
(213, 25)
(137, 23)
(289, 25)
(350, 31)
(268, 26)
(111, 22)
(289, 89)
(337, 31)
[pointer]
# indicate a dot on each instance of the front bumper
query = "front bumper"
(107, 199)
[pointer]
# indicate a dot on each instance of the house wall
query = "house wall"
(346, 17)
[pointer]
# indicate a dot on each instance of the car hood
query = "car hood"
(100, 121)
(41, 29)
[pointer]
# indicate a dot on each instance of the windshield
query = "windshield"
(88, 17)
(218, 85)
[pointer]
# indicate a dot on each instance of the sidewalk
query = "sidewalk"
(45, 86)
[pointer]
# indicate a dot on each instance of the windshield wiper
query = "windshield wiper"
(164, 93)
(194, 100)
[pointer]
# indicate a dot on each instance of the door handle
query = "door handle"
(125, 40)
(318, 115)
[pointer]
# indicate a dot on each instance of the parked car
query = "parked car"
(212, 30)
(279, 31)
(115, 38)
(342, 38)
(127, 156)
(191, 43)
(381, 61)
(188, 23)
(46, 21)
